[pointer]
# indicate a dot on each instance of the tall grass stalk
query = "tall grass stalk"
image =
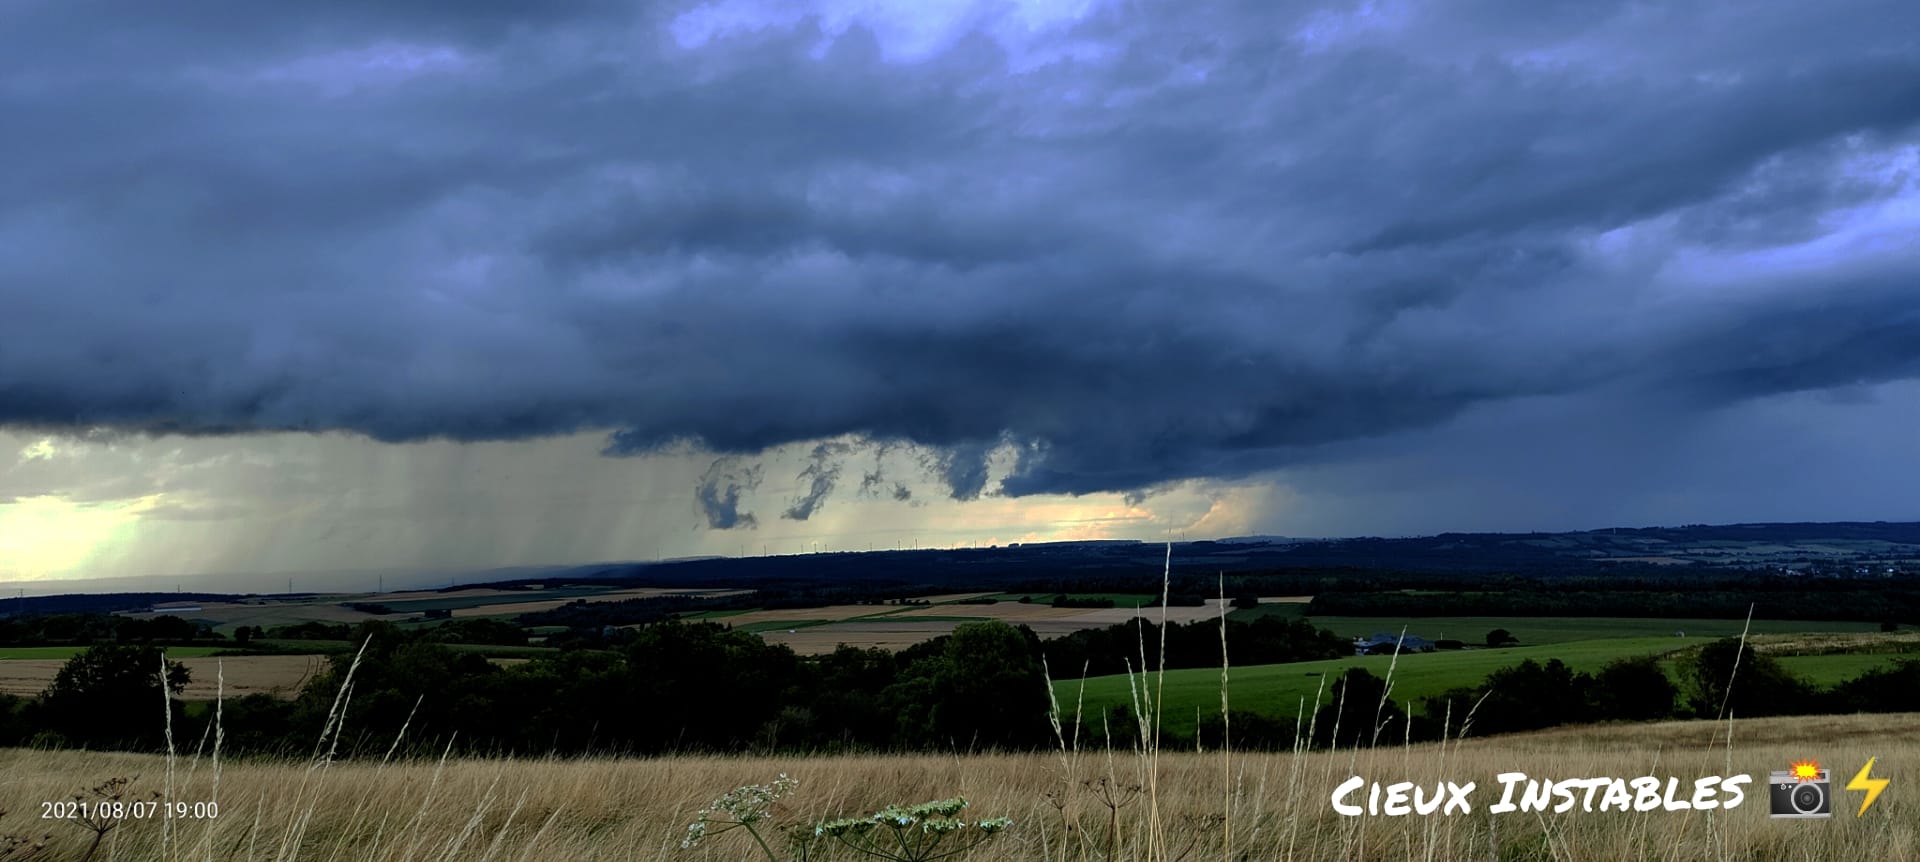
(1226, 731)
(166, 711)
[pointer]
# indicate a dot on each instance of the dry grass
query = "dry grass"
(639, 809)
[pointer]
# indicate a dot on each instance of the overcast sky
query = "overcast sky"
(407, 284)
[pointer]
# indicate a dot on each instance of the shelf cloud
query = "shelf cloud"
(1103, 246)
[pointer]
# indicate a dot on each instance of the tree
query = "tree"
(1633, 689)
(243, 635)
(1246, 601)
(1357, 700)
(14, 728)
(698, 685)
(106, 696)
(1501, 637)
(1747, 683)
(985, 688)
(1531, 695)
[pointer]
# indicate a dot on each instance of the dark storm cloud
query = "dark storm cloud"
(1220, 236)
(963, 468)
(822, 473)
(719, 490)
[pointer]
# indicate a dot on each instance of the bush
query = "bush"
(99, 695)
(1356, 700)
(1634, 689)
(1759, 685)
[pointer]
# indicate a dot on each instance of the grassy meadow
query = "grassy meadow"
(1178, 805)
(1551, 630)
(1838, 651)
(1280, 689)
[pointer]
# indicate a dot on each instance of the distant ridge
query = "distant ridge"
(1848, 547)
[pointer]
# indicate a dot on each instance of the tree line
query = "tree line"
(673, 686)
(699, 686)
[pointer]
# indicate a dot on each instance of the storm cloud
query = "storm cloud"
(822, 473)
(1113, 245)
(719, 492)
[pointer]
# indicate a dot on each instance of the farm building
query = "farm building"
(1381, 643)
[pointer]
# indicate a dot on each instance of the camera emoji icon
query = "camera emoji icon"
(1795, 794)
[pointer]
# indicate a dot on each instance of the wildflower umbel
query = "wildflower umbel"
(916, 834)
(740, 808)
(920, 833)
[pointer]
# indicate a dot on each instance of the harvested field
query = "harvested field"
(1012, 612)
(1110, 616)
(875, 626)
(794, 615)
(278, 675)
(1829, 643)
(267, 613)
(1082, 618)
(534, 607)
(944, 598)
(819, 640)
(898, 630)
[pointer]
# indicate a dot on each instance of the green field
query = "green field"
(1826, 670)
(1550, 630)
(67, 652)
(1279, 689)
(1584, 643)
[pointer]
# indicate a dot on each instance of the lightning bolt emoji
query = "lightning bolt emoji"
(1872, 786)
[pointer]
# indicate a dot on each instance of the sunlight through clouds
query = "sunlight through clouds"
(49, 538)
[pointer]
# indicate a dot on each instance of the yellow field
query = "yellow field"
(1207, 806)
(278, 675)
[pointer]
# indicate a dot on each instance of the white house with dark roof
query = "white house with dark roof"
(1381, 642)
